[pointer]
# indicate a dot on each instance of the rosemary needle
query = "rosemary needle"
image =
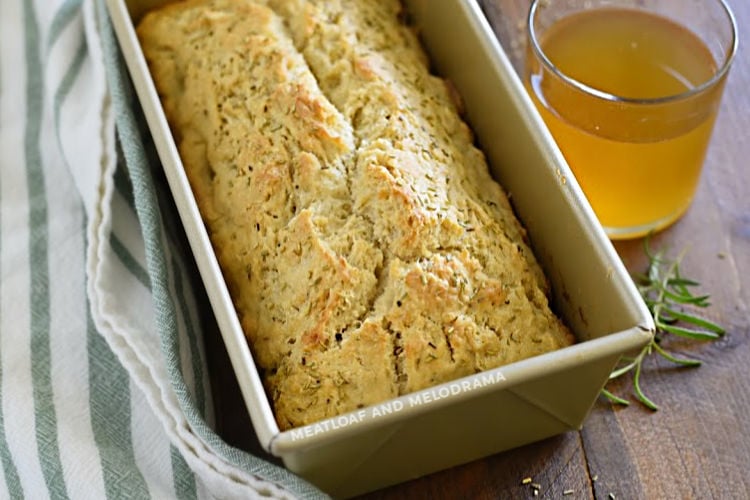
(669, 296)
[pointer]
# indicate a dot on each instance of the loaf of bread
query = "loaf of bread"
(368, 251)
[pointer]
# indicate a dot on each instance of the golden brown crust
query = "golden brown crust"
(367, 249)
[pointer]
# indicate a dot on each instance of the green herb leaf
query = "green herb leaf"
(688, 332)
(625, 369)
(695, 320)
(615, 399)
(666, 293)
(685, 298)
(674, 359)
(639, 392)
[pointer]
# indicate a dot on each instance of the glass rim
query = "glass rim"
(587, 89)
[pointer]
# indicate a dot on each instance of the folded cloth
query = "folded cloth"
(104, 390)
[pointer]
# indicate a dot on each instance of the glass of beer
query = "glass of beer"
(630, 90)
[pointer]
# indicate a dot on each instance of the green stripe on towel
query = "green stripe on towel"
(184, 480)
(122, 183)
(10, 473)
(193, 340)
(64, 15)
(127, 259)
(109, 393)
(12, 481)
(66, 85)
(44, 408)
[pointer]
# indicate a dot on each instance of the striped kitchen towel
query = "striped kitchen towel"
(103, 384)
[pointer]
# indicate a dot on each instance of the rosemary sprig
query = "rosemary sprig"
(667, 294)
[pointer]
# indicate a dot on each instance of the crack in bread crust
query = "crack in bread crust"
(366, 247)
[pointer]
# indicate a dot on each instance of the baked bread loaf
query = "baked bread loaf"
(367, 249)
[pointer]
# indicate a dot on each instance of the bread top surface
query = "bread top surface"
(368, 251)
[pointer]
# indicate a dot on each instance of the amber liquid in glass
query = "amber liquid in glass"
(633, 186)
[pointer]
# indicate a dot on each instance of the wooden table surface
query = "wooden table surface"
(698, 444)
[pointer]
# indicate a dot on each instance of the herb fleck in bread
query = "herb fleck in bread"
(366, 247)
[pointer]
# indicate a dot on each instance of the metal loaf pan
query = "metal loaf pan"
(481, 414)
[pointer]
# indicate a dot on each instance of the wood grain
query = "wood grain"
(698, 444)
